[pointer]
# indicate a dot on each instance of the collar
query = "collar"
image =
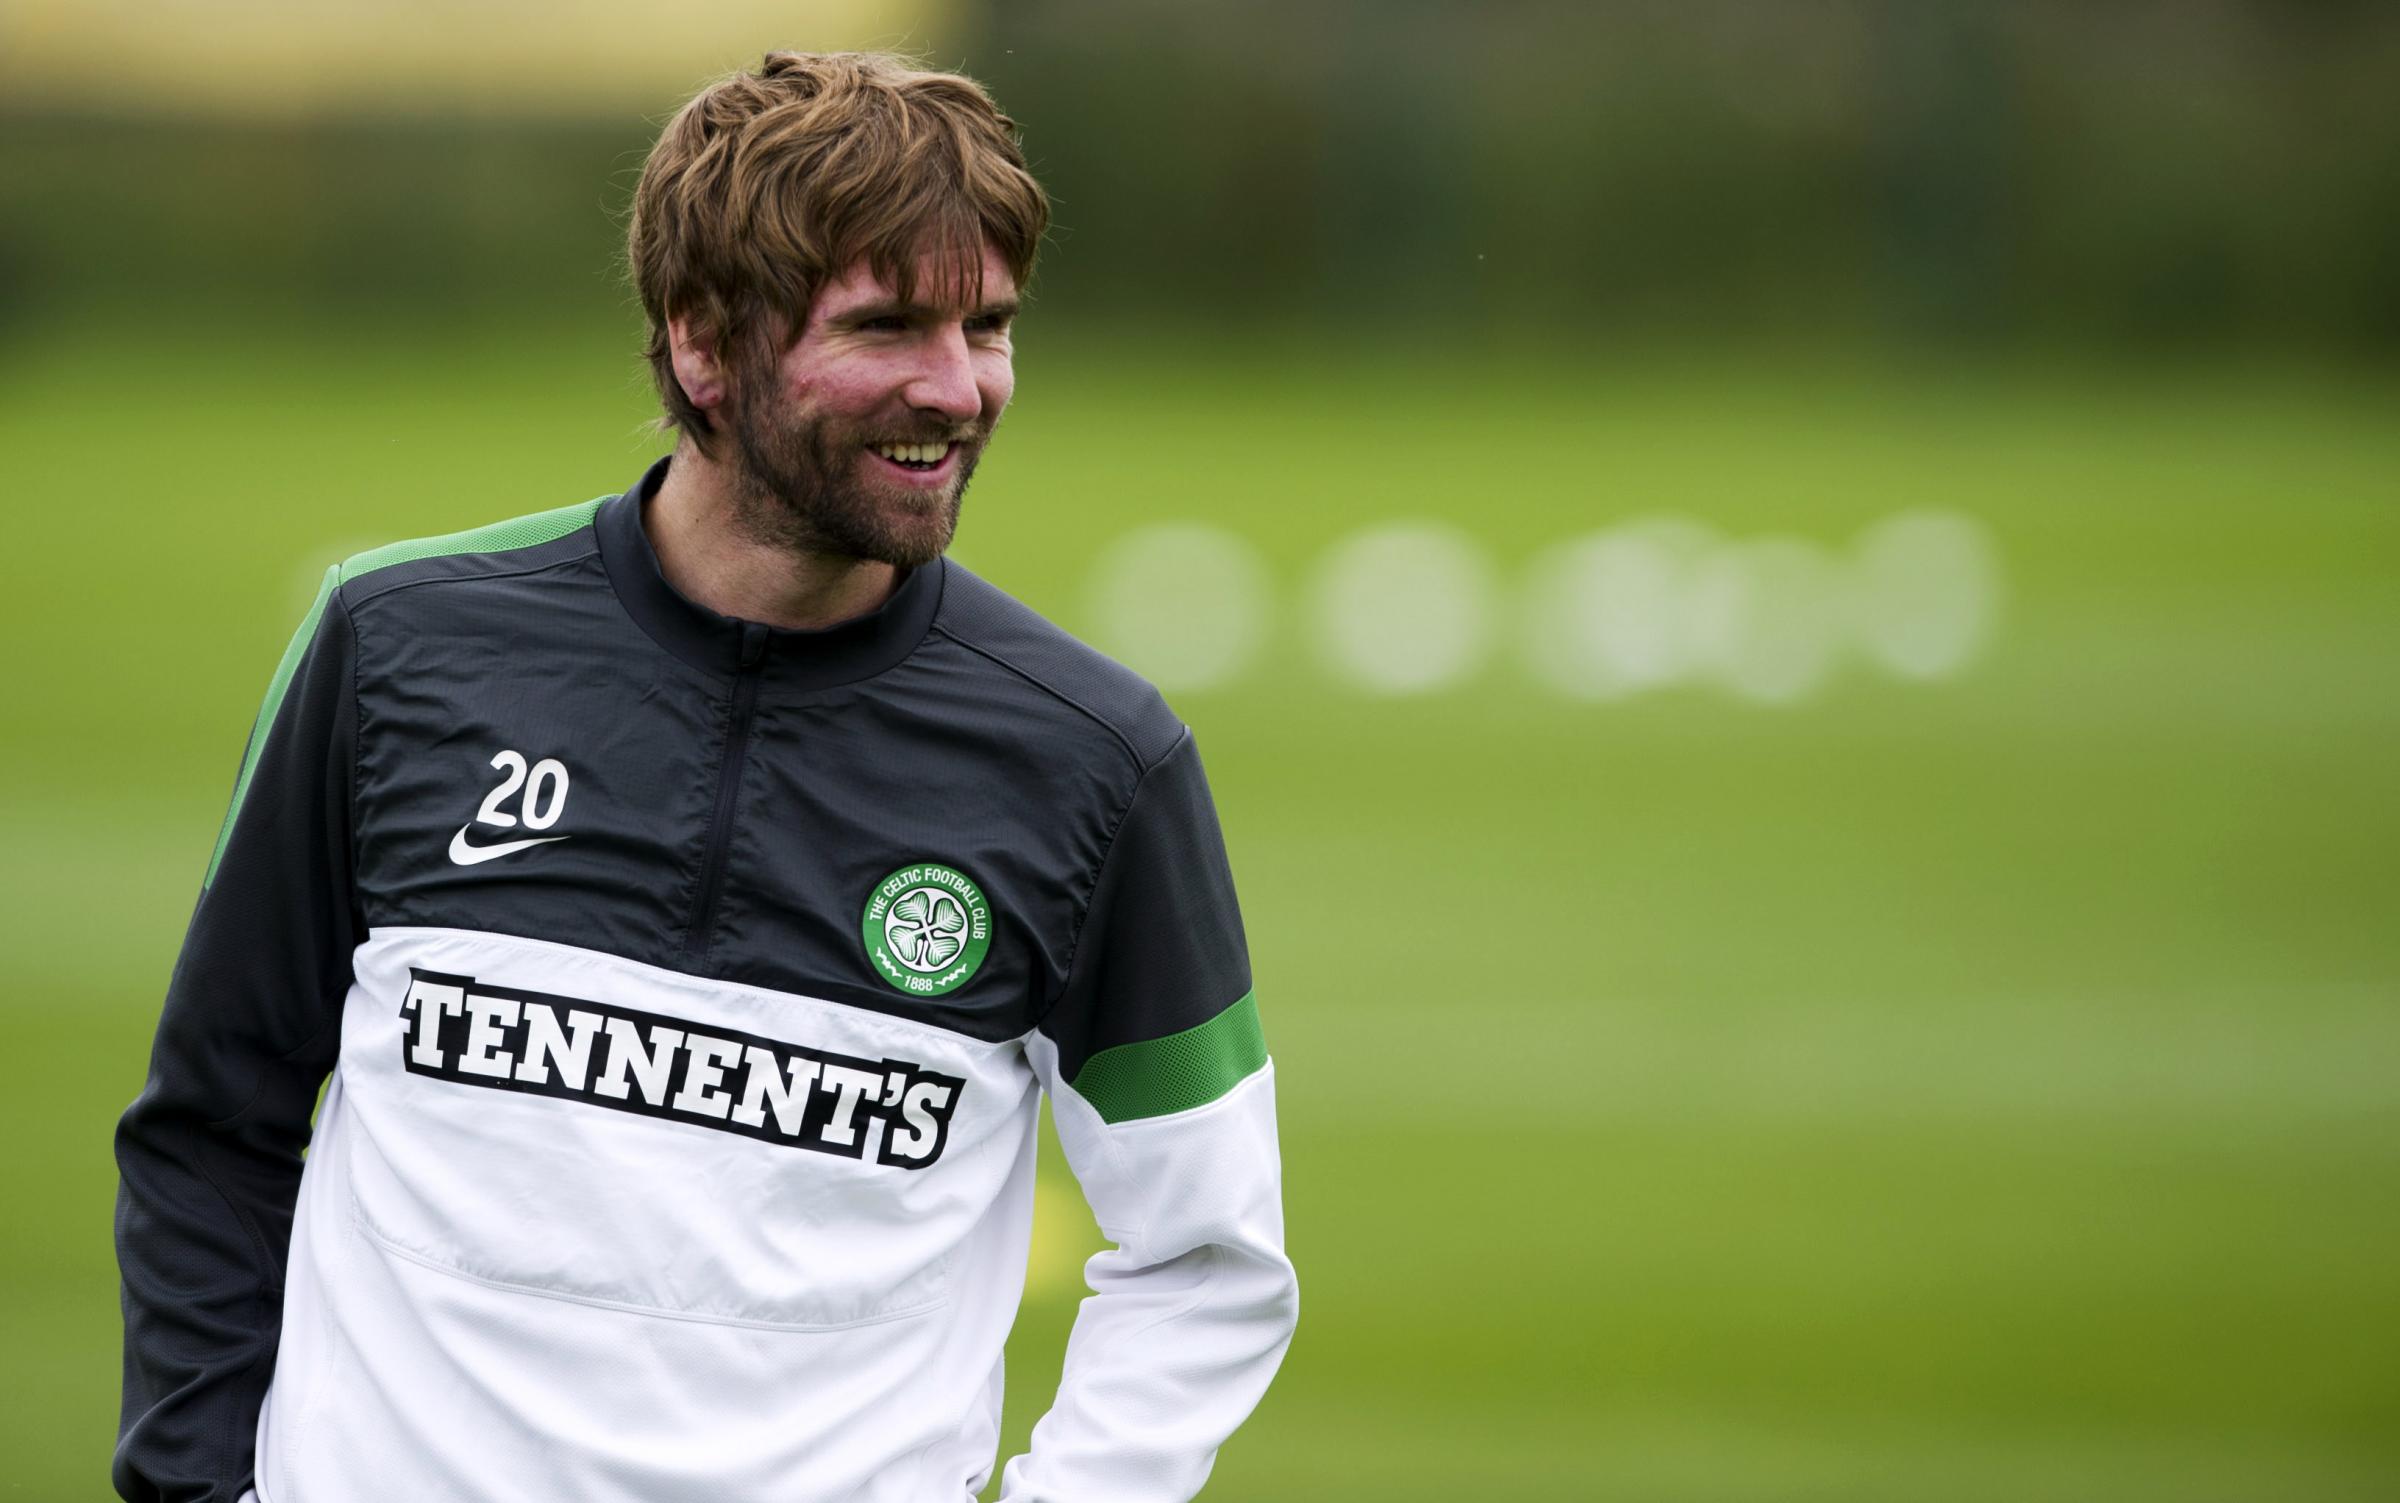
(858, 648)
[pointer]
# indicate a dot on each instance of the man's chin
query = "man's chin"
(912, 552)
(913, 524)
(910, 535)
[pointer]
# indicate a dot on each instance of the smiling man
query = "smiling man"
(848, 455)
(684, 900)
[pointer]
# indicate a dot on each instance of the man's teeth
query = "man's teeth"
(913, 453)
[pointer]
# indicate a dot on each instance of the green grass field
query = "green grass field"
(1986, 1090)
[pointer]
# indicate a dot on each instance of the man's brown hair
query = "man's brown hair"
(767, 185)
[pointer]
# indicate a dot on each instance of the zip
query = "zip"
(729, 784)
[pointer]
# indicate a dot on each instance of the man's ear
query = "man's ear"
(698, 370)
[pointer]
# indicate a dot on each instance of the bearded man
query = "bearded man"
(684, 900)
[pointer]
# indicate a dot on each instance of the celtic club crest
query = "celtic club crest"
(926, 928)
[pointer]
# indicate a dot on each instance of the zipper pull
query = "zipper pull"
(754, 644)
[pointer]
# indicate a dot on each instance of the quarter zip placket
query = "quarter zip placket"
(729, 783)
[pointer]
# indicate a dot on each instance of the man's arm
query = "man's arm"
(1165, 1105)
(209, 1155)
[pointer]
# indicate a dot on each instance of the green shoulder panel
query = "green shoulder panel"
(288, 665)
(495, 537)
(1178, 1072)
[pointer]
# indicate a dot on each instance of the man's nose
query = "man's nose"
(945, 379)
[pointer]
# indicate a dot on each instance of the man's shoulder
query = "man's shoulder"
(1054, 667)
(502, 549)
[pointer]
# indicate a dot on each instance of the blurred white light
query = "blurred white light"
(1768, 613)
(1182, 603)
(1926, 592)
(1403, 608)
(1610, 614)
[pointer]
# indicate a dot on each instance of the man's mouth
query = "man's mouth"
(921, 458)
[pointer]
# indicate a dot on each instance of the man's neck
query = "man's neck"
(711, 559)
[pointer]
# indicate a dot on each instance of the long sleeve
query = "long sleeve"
(209, 1155)
(1165, 1103)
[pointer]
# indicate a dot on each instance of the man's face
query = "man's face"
(862, 441)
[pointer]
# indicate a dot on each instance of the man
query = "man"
(689, 894)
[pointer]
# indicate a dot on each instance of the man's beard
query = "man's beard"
(797, 487)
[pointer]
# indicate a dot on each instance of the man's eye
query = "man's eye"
(887, 324)
(987, 325)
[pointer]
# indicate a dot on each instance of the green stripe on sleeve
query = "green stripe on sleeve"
(259, 728)
(1178, 1072)
(493, 537)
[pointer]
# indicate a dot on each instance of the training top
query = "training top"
(687, 988)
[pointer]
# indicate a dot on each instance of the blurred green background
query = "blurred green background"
(1792, 610)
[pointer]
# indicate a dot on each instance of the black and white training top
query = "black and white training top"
(687, 988)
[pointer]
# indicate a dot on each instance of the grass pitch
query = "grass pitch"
(1988, 1090)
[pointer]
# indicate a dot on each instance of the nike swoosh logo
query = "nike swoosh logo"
(467, 855)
